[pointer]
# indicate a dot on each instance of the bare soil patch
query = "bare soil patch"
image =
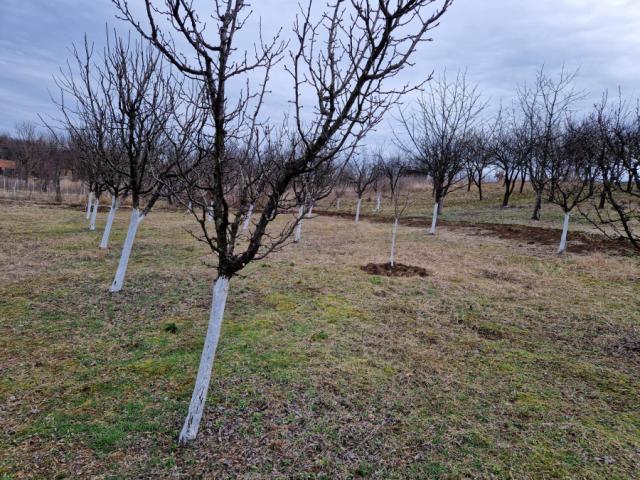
(578, 242)
(398, 270)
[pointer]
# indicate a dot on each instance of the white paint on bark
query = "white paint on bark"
(134, 223)
(104, 243)
(94, 214)
(434, 220)
(199, 396)
(378, 199)
(565, 230)
(89, 205)
(310, 212)
(358, 209)
(247, 219)
(338, 204)
(298, 233)
(392, 257)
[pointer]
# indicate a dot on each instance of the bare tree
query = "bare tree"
(616, 130)
(478, 159)
(510, 147)
(437, 134)
(342, 60)
(29, 148)
(393, 170)
(574, 172)
(362, 172)
(124, 102)
(544, 107)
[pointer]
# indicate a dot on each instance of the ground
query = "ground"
(506, 361)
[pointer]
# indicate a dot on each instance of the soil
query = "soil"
(578, 242)
(398, 270)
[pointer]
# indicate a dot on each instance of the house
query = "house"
(7, 166)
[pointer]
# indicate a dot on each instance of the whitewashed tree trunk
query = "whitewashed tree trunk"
(310, 212)
(199, 396)
(94, 214)
(378, 199)
(338, 204)
(565, 230)
(89, 205)
(190, 208)
(247, 219)
(392, 257)
(298, 233)
(358, 209)
(434, 220)
(210, 213)
(134, 223)
(104, 243)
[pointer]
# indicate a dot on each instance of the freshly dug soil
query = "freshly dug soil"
(398, 270)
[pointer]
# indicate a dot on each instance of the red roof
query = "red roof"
(8, 164)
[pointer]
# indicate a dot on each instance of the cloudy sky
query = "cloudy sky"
(501, 43)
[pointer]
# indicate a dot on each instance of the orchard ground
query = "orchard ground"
(506, 361)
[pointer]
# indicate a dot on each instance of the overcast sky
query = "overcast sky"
(500, 42)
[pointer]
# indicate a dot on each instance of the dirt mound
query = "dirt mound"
(398, 270)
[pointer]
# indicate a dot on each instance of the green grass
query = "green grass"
(504, 363)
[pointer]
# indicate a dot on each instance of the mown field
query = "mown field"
(507, 361)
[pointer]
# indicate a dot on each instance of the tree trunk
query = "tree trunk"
(523, 181)
(199, 396)
(440, 205)
(310, 212)
(392, 257)
(338, 204)
(89, 204)
(107, 228)
(507, 193)
(565, 230)
(358, 209)
(603, 199)
(298, 233)
(480, 189)
(94, 214)
(434, 219)
(537, 207)
(134, 223)
(247, 219)
(378, 199)
(58, 189)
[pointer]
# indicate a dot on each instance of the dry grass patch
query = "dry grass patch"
(503, 363)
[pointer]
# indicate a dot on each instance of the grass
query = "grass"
(464, 206)
(506, 362)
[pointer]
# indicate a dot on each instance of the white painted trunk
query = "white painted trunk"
(104, 243)
(565, 230)
(247, 219)
(199, 396)
(134, 223)
(94, 214)
(392, 257)
(190, 208)
(434, 220)
(89, 205)
(378, 199)
(298, 232)
(210, 213)
(358, 210)
(310, 212)
(338, 204)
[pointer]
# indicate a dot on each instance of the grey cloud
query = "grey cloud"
(500, 42)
